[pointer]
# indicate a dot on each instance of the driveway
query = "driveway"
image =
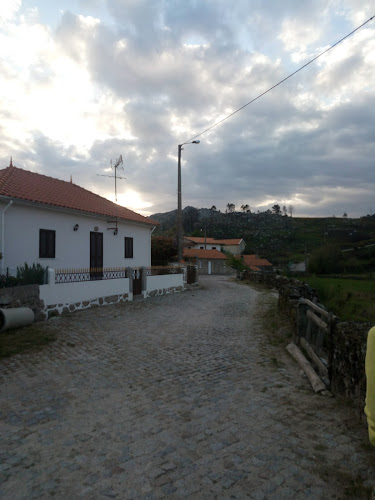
(184, 395)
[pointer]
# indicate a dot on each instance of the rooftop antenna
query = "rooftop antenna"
(115, 167)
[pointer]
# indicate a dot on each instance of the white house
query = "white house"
(61, 225)
(234, 246)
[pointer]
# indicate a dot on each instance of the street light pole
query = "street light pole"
(179, 201)
(179, 206)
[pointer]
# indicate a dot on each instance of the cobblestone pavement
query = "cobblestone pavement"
(173, 397)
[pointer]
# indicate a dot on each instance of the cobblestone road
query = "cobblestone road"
(177, 396)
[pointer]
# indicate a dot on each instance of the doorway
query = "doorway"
(96, 255)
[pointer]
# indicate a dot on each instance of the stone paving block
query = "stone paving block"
(173, 397)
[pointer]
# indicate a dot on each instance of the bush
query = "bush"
(34, 275)
(326, 260)
(8, 281)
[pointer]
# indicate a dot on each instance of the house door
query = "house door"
(96, 255)
(209, 267)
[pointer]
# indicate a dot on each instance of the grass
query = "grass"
(349, 299)
(27, 339)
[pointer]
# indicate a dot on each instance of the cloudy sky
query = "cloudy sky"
(83, 81)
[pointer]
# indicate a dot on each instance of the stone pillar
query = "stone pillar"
(51, 276)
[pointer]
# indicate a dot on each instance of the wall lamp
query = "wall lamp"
(76, 227)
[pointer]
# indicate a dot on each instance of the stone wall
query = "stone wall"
(23, 296)
(349, 339)
(348, 363)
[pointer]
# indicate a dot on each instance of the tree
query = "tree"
(190, 216)
(162, 250)
(231, 207)
(345, 215)
(213, 208)
(285, 211)
(245, 208)
(291, 210)
(276, 209)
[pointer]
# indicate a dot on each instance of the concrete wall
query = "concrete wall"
(160, 285)
(67, 293)
(21, 239)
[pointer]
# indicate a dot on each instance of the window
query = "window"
(201, 248)
(213, 248)
(47, 244)
(128, 248)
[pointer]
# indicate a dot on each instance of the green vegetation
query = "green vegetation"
(32, 275)
(29, 338)
(349, 299)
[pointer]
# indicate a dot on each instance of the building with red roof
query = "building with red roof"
(61, 225)
(208, 261)
(235, 245)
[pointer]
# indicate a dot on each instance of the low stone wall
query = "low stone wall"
(23, 296)
(57, 309)
(348, 363)
(349, 339)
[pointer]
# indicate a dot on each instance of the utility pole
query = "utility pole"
(179, 201)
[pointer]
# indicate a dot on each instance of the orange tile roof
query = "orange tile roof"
(203, 254)
(30, 186)
(253, 260)
(212, 241)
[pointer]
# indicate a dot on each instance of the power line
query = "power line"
(282, 81)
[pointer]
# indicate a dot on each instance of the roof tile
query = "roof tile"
(30, 186)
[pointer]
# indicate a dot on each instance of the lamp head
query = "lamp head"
(195, 142)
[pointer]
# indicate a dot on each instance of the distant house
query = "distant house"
(61, 225)
(208, 261)
(256, 264)
(234, 246)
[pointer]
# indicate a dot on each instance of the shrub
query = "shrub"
(34, 275)
(326, 260)
(8, 281)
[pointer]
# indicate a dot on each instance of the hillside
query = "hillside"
(279, 238)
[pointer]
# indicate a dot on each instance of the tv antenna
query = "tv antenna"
(115, 167)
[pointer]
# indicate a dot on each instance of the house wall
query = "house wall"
(21, 239)
(208, 246)
(234, 249)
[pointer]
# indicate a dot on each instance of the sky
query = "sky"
(85, 81)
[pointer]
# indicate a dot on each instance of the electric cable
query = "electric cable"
(281, 81)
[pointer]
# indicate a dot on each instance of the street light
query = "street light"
(179, 207)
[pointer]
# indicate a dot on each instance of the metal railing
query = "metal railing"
(90, 274)
(163, 270)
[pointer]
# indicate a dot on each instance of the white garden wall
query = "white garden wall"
(67, 293)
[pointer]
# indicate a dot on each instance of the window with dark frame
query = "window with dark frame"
(128, 247)
(47, 243)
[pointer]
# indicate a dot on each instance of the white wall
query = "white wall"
(164, 281)
(69, 293)
(21, 242)
(210, 246)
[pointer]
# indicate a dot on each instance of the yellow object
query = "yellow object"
(370, 391)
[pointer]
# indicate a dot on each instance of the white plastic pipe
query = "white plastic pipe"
(15, 317)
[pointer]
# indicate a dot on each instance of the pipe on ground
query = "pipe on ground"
(15, 317)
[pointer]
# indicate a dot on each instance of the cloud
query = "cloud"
(138, 78)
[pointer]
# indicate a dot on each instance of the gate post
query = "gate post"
(130, 274)
(144, 280)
